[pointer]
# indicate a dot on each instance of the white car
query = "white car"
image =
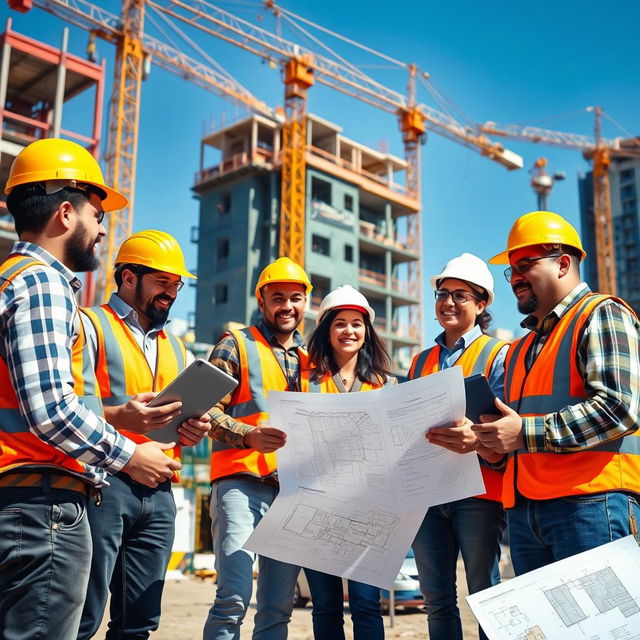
(406, 587)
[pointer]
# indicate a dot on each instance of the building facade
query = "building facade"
(360, 222)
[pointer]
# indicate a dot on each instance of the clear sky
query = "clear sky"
(537, 63)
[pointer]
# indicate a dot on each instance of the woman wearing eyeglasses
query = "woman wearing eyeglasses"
(473, 526)
(347, 356)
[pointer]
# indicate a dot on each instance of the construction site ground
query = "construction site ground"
(187, 601)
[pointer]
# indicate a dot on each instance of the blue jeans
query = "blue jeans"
(132, 533)
(45, 552)
(472, 527)
(328, 608)
(237, 505)
(543, 531)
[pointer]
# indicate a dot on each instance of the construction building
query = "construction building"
(624, 177)
(358, 212)
(36, 83)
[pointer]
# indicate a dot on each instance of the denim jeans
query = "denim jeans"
(237, 505)
(473, 527)
(543, 531)
(132, 533)
(328, 608)
(45, 553)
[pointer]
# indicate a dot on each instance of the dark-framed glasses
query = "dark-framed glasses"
(523, 265)
(459, 295)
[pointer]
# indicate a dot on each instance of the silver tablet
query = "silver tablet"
(198, 387)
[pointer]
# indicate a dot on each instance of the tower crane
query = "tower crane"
(599, 151)
(302, 68)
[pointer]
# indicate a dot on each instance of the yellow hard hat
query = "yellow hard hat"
(154, 249)
(283, 270)
(57, 159)
(539, 227)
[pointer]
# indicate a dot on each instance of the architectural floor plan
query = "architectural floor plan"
(593, 595)
(357, 475)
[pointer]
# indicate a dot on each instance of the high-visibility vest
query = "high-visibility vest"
(122, 370)
(478, 357)
(18, 445)
(553, 382)
(260, 372)
(310, 383)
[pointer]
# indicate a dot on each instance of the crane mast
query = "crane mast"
(122, 142)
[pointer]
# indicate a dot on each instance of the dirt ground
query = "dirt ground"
(187, 601)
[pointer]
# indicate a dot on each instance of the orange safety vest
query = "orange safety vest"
(309, 383)
(478, 357)
(122, 369)
(260, 372)
(553, 382)
(18, 445)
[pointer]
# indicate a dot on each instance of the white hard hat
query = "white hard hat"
(345, 297)
(469, 268)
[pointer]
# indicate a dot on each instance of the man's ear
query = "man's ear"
(63, 216)
(565, 264)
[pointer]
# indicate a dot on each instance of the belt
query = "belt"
(23, 479)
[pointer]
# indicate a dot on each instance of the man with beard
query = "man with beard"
(570, 419)
(134, 357)
(55, 446)
(266, 357)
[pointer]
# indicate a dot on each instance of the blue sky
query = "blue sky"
(511, 62)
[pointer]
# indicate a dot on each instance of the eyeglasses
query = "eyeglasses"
(522, 266)
(166, 284)
(459, 295)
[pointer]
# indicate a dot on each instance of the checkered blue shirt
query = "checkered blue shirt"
(39, 322)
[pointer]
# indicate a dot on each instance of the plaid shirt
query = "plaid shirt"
(609, 361)
(39, 322)
(225, 356)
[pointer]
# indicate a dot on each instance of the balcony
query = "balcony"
(259, 157)
(343, 163)
(371, 231)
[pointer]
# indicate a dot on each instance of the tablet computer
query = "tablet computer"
(198, 387)
(480, 398)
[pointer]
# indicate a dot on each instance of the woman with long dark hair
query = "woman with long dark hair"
(347, 356)
(473, 526)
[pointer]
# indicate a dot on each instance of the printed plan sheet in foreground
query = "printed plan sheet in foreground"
(594, 595)
(357, 475)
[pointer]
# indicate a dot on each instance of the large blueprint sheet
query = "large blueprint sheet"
(594, 595)
(357, 475)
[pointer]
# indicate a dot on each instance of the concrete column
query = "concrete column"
(60, 79)
(4, 80)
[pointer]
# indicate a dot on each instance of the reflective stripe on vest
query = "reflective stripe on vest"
(122, 368)
(260, 372)
(18, 445)
(553, 382)
(478, 357)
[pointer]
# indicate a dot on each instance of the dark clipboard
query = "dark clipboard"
(198, 387)
(480, 398)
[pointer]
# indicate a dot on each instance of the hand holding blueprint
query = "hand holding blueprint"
(357, 475)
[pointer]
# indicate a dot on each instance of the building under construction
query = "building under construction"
(359, 214)
(37, 81)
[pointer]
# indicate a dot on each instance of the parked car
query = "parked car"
(406, 587)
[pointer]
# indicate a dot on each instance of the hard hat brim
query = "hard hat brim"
(501, 258)
(114, 200)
